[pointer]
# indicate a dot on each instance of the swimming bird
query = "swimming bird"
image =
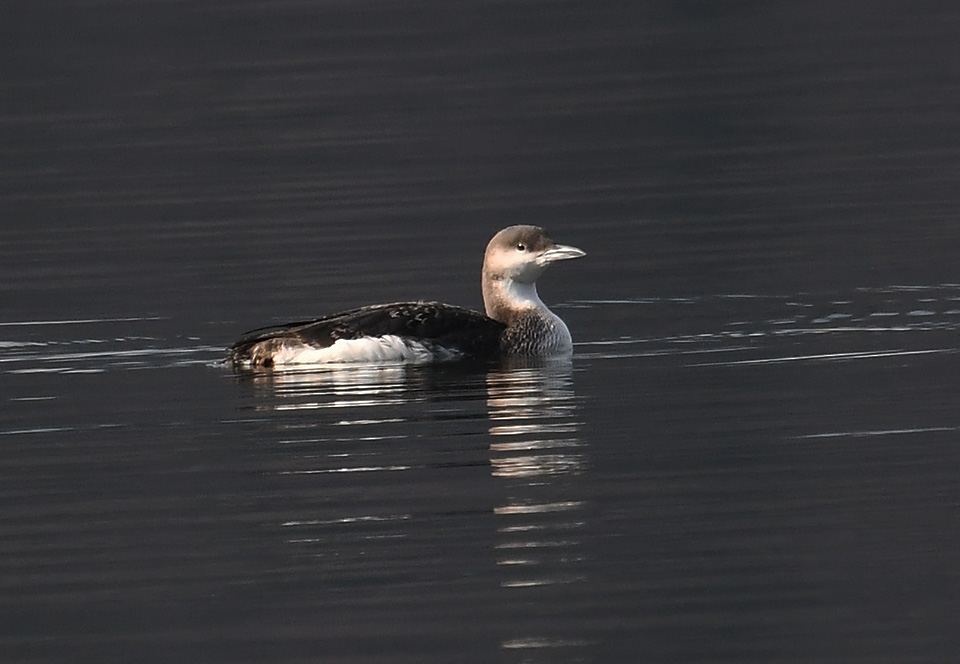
(516, 322)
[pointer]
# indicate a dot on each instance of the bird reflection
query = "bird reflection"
(538, 455)
(532, 415)
(337, 386)
(381, 446)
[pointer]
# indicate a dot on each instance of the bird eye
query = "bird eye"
(521, 247)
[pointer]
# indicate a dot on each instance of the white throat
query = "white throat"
(519, 295)
(503, 298)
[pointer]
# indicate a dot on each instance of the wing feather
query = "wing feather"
(469, 332)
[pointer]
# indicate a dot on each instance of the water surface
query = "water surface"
(752, 455)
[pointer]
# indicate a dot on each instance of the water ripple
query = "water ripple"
(54, 346)
(874, 321)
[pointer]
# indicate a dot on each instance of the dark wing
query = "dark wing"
(470, 332)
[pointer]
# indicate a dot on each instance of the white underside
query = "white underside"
(385, 349)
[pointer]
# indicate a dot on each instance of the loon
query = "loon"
(517, 322)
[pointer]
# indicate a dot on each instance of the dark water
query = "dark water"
(753, 455)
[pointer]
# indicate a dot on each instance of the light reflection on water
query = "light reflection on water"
(376, 476)
(94, 346)
(373, 426)
(536, 451)
(866, 323)
(533, 411)
(333, 387)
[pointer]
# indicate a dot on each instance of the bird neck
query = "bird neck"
(505, 299)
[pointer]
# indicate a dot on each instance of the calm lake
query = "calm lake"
(753, 455)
